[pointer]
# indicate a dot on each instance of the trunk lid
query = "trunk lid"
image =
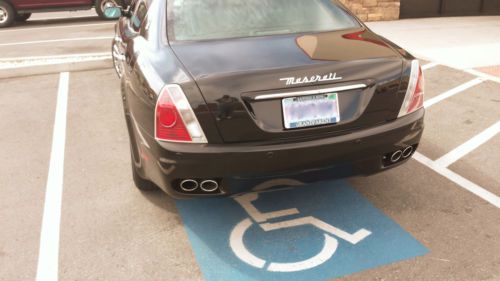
(234, 74)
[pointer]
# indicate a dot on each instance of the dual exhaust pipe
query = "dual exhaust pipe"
(190, 185)
(401, 154)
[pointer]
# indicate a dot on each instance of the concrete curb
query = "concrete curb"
(55, 68)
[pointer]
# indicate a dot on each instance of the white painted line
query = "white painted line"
(462, 150)
(482, 75)
(56, 40)
(453, 92)
(54, 56)
(461, 181)
(89, 16)
(329, 248)
(55, 27)
(430, 65)
(246, 202)
(48, 256)
(44, 61)
(236, 243)
(353, 238)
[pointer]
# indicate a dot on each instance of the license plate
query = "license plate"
(309, 111)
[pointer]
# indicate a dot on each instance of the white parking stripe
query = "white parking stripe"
(48, 256)
(453, 92)
(9, 59)
(55, 27)
(461, 181)
(430, 65)
(462, 150)
(482, 75)
(16, 63)
(57, 40)
(90, 16)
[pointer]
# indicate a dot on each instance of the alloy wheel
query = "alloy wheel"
(108, 4)
(3, 15)
(118, 58)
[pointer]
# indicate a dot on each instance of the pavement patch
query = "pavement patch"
(481, 165)
(441, 79)
(457, 90)
(491, 70)
(314, 232)
(459, 118)
(465, 148)
(27, 118)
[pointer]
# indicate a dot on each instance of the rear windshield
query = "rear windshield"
(220, 19)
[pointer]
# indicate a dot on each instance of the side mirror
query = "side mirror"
(114, 12)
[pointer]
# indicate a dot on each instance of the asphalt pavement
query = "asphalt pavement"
(434, 218)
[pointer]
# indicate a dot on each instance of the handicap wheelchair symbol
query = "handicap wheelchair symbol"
(330, 232)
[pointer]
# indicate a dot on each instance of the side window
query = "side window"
(139, 16)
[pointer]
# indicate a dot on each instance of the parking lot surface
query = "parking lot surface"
(435, 218)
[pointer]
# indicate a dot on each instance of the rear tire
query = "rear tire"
(100, 6)
(7, 14)
(23, 17)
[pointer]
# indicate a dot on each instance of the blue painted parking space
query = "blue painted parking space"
(312, 232)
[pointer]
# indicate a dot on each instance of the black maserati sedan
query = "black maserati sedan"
(221, 95)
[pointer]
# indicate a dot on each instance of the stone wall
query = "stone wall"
(374, 10)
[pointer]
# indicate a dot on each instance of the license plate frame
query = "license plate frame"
(310, 111)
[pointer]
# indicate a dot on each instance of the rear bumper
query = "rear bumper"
(241, 167)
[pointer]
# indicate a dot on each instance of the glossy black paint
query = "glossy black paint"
(246, 137)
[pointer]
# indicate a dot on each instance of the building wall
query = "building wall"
(374, 10)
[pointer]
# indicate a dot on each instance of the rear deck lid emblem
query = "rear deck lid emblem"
(312, 79)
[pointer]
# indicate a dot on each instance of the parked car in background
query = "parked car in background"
(21, 10)
(219, 92)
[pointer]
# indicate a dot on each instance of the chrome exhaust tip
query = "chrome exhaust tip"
(209, 185)
(407, 152)
(396, 156)
(189, 185)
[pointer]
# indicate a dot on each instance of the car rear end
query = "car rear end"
(333, 102)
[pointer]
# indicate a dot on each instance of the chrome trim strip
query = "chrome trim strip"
(311, 92)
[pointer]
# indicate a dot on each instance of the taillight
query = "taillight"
(414, 98)
(174, 119)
